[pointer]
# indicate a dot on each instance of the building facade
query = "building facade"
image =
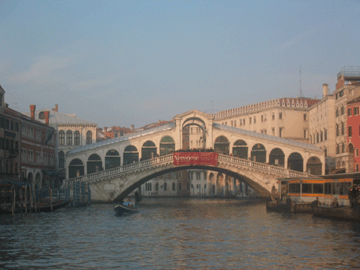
(38, 148)
(71, 132)
(285, 117)
(353, 134)
(322, 126)
(347, 88)
(10, 141)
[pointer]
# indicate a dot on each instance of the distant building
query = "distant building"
(71, 132)
(38, 147)
(10, 141)
(353, 134)
(284, 117)
(322, 126)
(111, 132)
(347, 88)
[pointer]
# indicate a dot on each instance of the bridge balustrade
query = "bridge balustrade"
(168, 159)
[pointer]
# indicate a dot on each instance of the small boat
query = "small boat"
(126, 208)
(341, 213)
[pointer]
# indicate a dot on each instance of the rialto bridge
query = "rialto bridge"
(118, 166)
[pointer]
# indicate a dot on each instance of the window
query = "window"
(337, 112)
(254, 119)
(165, 186)
(305, 133)
(342, 128)
(280, 132)
(349, 112)
(342, 148)
(337, 130)
(173, 186)
(88, 137)
(305, 117)
(61, 160)
(61, 137)
(356, 111)
(337, 149)
(77, 138)
(325, 134)
(357, 152)
(244, 121)
(321, 136)
(280, 115)
(273, 116)
(69, 137)
(157, 187)
(197, 176)
(179, 186)
(317, 137)
(342, 110)
(41, 115)
(350, 131)
(249, 120)
(356, 167)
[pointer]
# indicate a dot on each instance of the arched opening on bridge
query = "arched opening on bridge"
(38, 180)
(219, 184)
(221, 145)
(212, 183)
(296, 162)
(193, 134)
(76, 168)
(112, 159)
(94, 164)
(314, 166)
(30, 178)
(258, 153)
(167, 145)
(148, 150)
(277, 157)
(240, 149)
(131, 155)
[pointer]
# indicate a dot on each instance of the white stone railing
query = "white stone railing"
(168, 159)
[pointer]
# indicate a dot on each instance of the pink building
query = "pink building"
(353, 132)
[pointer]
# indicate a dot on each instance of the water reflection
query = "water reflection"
(178, 234)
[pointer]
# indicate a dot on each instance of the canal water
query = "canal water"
(178, 234)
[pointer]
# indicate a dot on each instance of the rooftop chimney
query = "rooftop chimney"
(132, 127)
(32, 111)
(325, 90)
(56, 109)
(47, 115)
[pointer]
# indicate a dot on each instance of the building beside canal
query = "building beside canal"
(353, 133)
(10, 140)
(347, 89)
(71, 132)
(38, 148)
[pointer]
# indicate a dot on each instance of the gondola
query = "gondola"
(126, 208)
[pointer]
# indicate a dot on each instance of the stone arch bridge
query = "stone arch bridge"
(118, 166)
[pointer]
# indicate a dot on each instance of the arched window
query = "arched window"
(61, 137)
(41, 115)
(88, 137)
(61, 160)
(69, 137)
(77, 138)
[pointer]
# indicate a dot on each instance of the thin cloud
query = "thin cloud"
(296, 40)
(43, 70)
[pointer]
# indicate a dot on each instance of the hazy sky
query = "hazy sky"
(135, 62)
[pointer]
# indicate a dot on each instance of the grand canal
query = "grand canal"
(178, 234)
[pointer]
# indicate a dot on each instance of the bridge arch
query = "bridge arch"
(76, 168)
(148, 150)
(277, 157)
(296, 162)
(258, 153)
(94, 164)
(314, 166)
(112, 159)
(221, 145)
(130, 154)
(240, 149)
(219, 182)
(167, 145)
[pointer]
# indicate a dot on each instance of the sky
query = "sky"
(118, 63)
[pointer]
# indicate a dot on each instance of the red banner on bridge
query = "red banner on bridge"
(196, 158)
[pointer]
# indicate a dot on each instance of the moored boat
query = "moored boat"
(342, 213)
